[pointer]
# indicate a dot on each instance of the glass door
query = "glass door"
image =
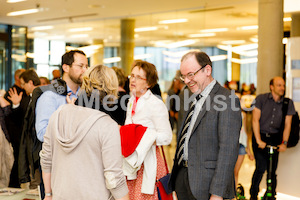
(2, 65)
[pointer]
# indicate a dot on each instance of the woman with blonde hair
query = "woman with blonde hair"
(81, 155)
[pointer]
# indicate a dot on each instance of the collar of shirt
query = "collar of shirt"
(208, 89)
(69, 90)
(270, 96)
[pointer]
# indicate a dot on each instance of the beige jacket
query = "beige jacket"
(82, 151)
(6, 160)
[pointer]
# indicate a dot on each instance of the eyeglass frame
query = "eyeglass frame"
(137, 77)
(81, 66)
(190, 75)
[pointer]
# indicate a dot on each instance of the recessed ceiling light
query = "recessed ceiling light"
(287, 19)
(14, 1)
(81, 29)
(253, 27)
(214, 30)
(173, 21)
(142, 29)
(233, 42)
(40, 28)
(202, 35)
(23, 12)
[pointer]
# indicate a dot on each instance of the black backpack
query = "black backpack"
(294, 134)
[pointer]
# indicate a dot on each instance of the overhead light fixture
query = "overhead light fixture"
(254, 39)
(79, 36)
(41, 28)
(243, 28)
(180, 43)
(230, 42)
(287, 19)
(202, 35)
(111, 60)
(80, 29)
(214, 30)
(244, 61)
(23, 12)
(218, 58)
(14, 1)
(284, 40)
(142, 29)
(172, 21)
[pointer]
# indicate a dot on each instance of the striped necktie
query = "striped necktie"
(185, 129)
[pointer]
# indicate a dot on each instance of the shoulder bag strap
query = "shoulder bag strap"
(284, 111)
(162, 149)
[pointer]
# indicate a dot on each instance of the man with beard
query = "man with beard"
(74, 64)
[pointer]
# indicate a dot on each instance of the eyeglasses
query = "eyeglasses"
(190, 75)
(81, 66)
(137, 77)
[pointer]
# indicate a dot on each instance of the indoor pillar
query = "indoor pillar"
(270, 47)
(295, 26)
(235, 68)
(127, 44)
(97, 56)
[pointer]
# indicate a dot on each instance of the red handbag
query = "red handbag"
(162, 184)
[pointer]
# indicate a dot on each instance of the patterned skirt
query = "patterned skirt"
(135, 186)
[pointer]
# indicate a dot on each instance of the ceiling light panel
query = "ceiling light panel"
(214, 30)
(202, 35)
(81, 29)
(41, 28)
(14, 1)
(253, 27)
(173, 21)
(142, 29)
(23, 12)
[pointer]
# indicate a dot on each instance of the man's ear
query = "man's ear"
(66, 68)
(209, 70)
(30, 82)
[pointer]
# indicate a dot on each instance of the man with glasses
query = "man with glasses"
(208, 143)
(74, 64)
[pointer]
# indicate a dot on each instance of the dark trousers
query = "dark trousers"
(182, 186)
(262, 162)
(42, 188)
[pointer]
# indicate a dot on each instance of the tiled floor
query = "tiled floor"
(245, 173)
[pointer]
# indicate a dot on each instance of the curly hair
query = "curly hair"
(100, 78)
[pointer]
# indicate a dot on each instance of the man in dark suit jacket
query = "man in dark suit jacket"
(208, 144)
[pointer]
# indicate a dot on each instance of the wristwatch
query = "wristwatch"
(48, 194)
(284, 142)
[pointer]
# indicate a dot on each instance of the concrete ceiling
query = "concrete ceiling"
(104, 17)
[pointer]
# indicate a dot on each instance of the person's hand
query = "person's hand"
(282, 147)
(215, 197)
(249, 153)
(261, 144)
(14, 96)
(69, 100)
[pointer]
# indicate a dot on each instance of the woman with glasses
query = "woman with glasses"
(145, 165)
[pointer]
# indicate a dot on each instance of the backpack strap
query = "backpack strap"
(284, 111)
